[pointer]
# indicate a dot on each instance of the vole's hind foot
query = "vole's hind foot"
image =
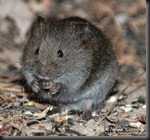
(35, 86)
(87, 110)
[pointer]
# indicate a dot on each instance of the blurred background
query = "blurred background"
(123, 21)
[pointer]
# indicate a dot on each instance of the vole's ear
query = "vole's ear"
(37, 23)
(39, 19)
(35, 26)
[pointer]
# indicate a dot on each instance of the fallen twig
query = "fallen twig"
(137, 88)
(122, 92)
(16, 126)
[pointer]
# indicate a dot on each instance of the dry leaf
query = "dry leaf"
(42, 114)
(142, 117)
(40, 106)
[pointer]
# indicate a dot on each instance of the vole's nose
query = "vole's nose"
(44, 71)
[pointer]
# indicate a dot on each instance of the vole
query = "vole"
(69, 63)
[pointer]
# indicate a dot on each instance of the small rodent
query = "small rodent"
(69, 63)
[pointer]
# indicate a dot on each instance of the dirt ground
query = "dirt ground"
(124, 113)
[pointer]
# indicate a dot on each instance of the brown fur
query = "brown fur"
(86, 72)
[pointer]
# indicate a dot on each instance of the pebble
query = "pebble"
(126, 108)
(71, 121)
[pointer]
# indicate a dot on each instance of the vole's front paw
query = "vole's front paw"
(35, 86)
(55, 88)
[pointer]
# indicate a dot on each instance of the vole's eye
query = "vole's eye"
(37, 51)
(60, 53)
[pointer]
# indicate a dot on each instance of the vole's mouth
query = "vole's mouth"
(42, 77)
(47, 78)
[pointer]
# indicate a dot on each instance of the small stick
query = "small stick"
(139, 86)
(121, 92)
